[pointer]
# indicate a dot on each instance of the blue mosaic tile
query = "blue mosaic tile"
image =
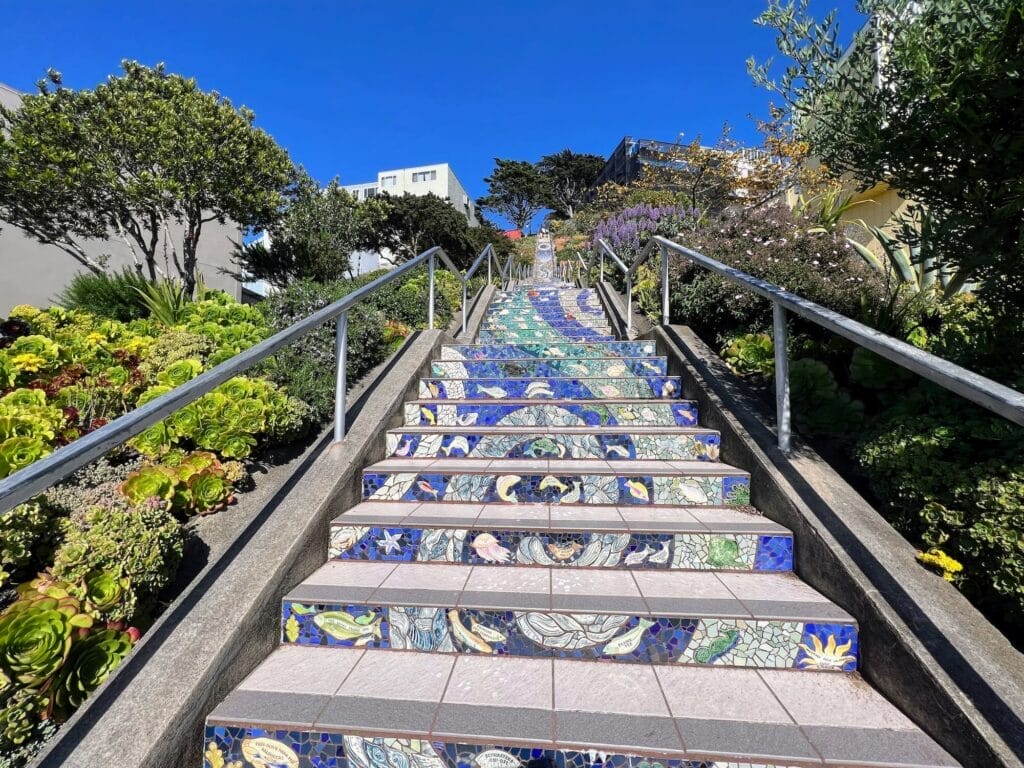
(830, 647)
(498, 351)
(545, 367)
(551, 388)
(774, 553)
(572, 414)
(339, 626)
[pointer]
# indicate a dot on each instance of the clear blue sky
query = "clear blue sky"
(352, 87)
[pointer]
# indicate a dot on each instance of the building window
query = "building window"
(424, 176)
(389, 181)
(370, 192)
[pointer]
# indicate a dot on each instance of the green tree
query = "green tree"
(929, 100)
(516, 190)
(316, 236)
(568, 178)
(413, 223)
(142, 153)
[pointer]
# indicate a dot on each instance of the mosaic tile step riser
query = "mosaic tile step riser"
(229, 746)
(613, 367)
(556, 319)
(596, 445)
(762, 644)
(564, 549)
(582, 367)
(545, 311)
(652, 414)
(562, 329)
(549, 337)
(646, 387)
(677, 490)
(499, 351)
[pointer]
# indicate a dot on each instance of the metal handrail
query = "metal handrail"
(997, 398)
(40, 475)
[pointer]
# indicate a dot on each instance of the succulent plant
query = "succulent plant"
(209, 491)
(103, 591)
(18, 452)
(143, 544)
(234, 445)
(35, 637)
(179, 372)
(90, 662)
(236, 389)
(153, 441)
(195, 462)
(148, 482)
(25, 533)
(22, 719)
(14, 328)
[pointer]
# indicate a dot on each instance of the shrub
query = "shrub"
(114, 296)
(952, 477)
(142, 544)
(772, 245)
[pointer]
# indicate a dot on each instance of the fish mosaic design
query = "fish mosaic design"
(678, 413)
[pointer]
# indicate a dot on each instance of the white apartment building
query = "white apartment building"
(439, 180)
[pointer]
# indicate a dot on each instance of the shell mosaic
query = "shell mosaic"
(231, 746)
(538, 445)
(611, 367)
(564, 549)
(675, 490)
(536, 388)
(499, 351)
(629, 638)
(679, 413)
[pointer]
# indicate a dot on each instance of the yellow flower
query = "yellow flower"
(940, 561)
(828, 656)
(28, 362)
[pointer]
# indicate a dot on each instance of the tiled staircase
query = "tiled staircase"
(553, 568)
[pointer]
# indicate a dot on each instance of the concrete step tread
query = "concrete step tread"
(556, 467)
(558, 517)
(766, 717)
(771, 718)
(735, 595)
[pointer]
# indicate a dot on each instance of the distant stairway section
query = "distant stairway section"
(553, 568)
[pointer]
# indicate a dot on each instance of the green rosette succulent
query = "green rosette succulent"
(186, 422)
(236, 389)
(145, 483)
(20, 718)
(152, 393)
(117, 375)
(24, 397)
(18, 452)
(90, 663)
(235, 445)
(35, 638)
(210, 405)
(153, 441)
(40, 346)
(179, 372)
(8, 371)
(195, 462)
(210, 491)
(103, 591)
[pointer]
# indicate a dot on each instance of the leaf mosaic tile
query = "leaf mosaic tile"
(681, 413)
(561, 388)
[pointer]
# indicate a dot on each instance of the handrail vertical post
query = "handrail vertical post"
(601, 276)
(664, 285)
(782, 411)
(430, 302)
(340, 359)
(488, 268)
(629, 304)
(463, 307)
